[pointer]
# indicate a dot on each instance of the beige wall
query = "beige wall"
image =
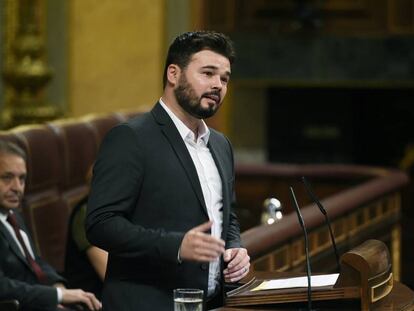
(116, 53)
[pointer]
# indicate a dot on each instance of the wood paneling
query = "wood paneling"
(329, 16)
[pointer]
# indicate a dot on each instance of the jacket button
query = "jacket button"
(204, 266)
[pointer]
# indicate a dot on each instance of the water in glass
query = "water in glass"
(188, 304)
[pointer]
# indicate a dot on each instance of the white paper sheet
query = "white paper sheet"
(316, 281)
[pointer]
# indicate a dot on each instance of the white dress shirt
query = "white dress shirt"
(3, 219)
(210, 182)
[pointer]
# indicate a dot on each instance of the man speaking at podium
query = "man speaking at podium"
(163, 188)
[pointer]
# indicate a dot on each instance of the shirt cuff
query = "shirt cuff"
(59, 294)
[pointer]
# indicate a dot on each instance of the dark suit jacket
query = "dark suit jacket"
(145, 196)
(18, 281)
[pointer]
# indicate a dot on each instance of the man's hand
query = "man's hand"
(200, 246)
(71, 296)
(238, 264)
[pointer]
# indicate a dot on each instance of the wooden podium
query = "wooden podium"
(365, 278)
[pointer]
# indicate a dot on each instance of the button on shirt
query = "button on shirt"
(210, 182)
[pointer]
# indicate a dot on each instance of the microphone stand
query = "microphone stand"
(308, 268)
(315, 199)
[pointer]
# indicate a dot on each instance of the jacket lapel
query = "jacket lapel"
(12, 243)
(177, 143)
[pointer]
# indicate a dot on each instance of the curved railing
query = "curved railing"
(368, 208)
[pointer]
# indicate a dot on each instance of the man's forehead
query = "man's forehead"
(10, 162)
(211, 58)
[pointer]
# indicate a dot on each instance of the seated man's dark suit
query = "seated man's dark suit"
(145, 196)
(17, 279)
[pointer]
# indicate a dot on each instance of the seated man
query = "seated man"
(85, 264)
(23, 274)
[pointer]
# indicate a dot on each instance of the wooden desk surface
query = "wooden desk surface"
(401, 298)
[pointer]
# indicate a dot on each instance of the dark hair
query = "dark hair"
(7, 147)
(189, 43)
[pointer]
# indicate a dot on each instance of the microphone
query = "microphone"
(315, 199)
(305, 234)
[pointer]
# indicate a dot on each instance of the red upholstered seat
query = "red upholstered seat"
(59, 156)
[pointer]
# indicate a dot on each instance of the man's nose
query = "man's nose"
(217, 83)
(17, 184)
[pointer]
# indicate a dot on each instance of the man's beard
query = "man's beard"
(191, 103)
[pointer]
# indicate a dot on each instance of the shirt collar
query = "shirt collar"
(4, 214)
(185, 133)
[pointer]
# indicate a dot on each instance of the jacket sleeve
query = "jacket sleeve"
(117, 179)
(40, 296)
(233, 233)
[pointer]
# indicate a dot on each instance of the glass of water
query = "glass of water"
(188, 299)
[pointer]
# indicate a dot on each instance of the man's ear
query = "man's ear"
(173, 74)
